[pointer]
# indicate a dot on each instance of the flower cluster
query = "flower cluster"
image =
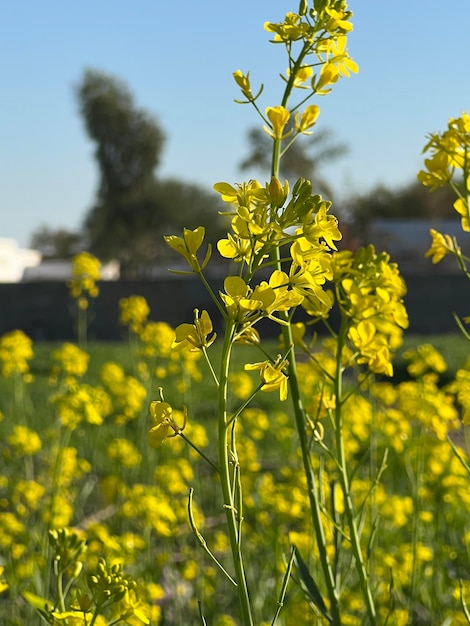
(85, 274)
(16, 350)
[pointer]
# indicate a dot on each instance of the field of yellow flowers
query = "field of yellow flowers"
(75, 456)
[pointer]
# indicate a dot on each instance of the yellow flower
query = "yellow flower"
(124, 452)
(16, 349)
(307, 119)
(272, 375)
(301, 76)
(163, 423)
(329, 75)
(278, 116)
(24, 440)
(441, 246)
(188, 245)
(86, 270)
(133, 312)
(242, 303)
(194, 336)
(71, 360)
(463, 209)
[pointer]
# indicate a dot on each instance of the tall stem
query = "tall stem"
(232, 514)
(344, 478)
(299, 413)
(313, 491)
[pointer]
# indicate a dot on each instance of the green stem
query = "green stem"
(344, 477)
(313, 491)
(200, 452)
(232, 515)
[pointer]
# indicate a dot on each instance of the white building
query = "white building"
(15, 260)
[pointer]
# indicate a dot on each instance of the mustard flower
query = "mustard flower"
(243, 81)
(278, 116)
(301, 76)
(441, 246)
(157, 339)
(194, 336)
(292, 28)
(124, 452)
(425, 358)
(272, 375)
(329, 74)
(71, 360)
(134, 312)
(338, 55)
(463, 208)
(188, 246)
(308, 119)
(163, 423)
(25, 441)
(16, 349)
(242, 303)
(86, 271)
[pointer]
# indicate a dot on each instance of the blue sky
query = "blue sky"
(177, 57)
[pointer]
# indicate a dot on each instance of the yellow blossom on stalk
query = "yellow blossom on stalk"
(126, 391)
(425, 358)
(194, 336)
(373, 348)
(324, 226)
(337, 55)
(188, 245)
(307, 119)
(272, 375)
(86, 271)
(124, 452)
(338, 20)
(242, 303)
(24, 440)
(329, 75)
(243, 81)
(134, 312)
(163, 423)
(278, 116)
(71, 360)
(16, 349)
(463, 208)
(441, 246)
(292, 29)
(157, 339)
(301, 76)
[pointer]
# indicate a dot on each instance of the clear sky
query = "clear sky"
(177, 57)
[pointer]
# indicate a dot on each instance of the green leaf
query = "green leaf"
(309, 586)
(41, 604)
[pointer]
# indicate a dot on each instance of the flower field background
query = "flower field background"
(74, 428)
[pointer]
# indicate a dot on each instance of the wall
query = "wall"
(45, 312)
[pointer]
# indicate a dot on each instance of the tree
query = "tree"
(304, 158)
(133, 208)
(413, 201)
(129, 140)
(56, 243)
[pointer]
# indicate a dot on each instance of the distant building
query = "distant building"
(15, 260)
(408, 240)
(61, 270)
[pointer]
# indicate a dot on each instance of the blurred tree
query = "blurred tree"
(134, 209)
(56, 243)
(129, 141)
(304, 159)
(131, 228)
(412, 201)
